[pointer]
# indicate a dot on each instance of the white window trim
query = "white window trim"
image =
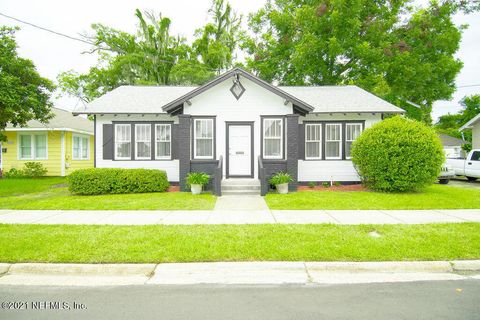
(346, 140)
(136, 141)
(195, 139)
(115, 141)
(33, 146)
(281, 139)
(170, 141)
(340, 141)
(81, 145)
(318, 141)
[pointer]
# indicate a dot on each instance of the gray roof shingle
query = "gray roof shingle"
(62, 119)
(325, 99)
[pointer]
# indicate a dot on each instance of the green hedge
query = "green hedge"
(107, 180)
(398, 155)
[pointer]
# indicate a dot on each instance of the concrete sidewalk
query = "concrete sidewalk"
(143, 217)
(280, 272)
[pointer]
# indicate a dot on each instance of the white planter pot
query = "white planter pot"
(282, 188)
(196, 188)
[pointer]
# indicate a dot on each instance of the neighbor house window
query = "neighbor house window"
(143, 141)
(33, 146)
(80, 148)
(352, 131)
(333, 141)
(203, 138)
(163, 140)
(123, 145)
(313, 141)
(273, 138)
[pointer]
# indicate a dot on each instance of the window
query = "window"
(352, 131)
(80, 148)
(143, 144)
(163, 140)
(273, 138)
(123, 146)
(475, 156)
(203, 139)
(33, 146)
(313, 141)
(333, 141)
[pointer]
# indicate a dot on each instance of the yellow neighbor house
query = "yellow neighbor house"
(63, 145)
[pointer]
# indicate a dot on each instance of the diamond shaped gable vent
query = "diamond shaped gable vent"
(237, 88)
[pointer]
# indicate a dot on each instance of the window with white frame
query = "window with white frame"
(80, 148)
(352, 131)
(163, 140)
(143, 141)
(203, 139)
(333, 141)
(32, 146)
(313, 141)
(273, 138)
(123, 144)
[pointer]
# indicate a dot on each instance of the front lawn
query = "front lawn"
(47, 194)
(433, 197)
(154, 244)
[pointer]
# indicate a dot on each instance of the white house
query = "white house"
(236, 126)
(474, 124)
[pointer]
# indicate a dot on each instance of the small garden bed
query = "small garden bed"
(348, 187)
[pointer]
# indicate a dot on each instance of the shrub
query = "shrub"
(326, 184)
(200, 178)
(34, 169)
(398, 155)
(114, 181)
(280, 178)
(337, 183)
(311, 184)
(14, 173)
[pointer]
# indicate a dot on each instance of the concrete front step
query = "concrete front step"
(240, 192)
(241, 182)
(240, 187)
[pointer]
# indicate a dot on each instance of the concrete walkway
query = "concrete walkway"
(232, 216)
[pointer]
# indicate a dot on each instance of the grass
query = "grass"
(433, 197)
(45, 194)
(12, 187)
(153, 244)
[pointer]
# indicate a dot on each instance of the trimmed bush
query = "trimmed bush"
(398, 155)
(114, 181)
(30, 170)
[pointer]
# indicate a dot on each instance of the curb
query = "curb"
(82, 269)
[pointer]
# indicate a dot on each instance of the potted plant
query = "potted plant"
(280, 180)
(196, 180)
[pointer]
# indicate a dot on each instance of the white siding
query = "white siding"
(171, 167)
(220, 102)
(332, 170)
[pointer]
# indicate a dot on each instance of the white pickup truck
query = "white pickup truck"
(469, 167)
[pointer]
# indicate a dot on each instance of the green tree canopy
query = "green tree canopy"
(24, 94)
(388, 47)
(154, 56)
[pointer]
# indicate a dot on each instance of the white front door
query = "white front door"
(239, 150)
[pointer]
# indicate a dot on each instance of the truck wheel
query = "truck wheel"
(471, 178)
(443, 181)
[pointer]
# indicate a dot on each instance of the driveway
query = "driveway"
(464, 183)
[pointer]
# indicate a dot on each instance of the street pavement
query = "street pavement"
(413, 300)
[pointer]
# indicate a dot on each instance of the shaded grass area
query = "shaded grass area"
(432, 197)
(11, 187)
(143, 244)
(44, 194)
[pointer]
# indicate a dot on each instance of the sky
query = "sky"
(53, 54)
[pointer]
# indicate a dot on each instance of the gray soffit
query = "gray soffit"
(63, 120)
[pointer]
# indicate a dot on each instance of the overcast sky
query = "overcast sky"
(53, 54)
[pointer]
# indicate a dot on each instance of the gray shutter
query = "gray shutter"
(301, 141)
(175, 141)
(108, 142)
